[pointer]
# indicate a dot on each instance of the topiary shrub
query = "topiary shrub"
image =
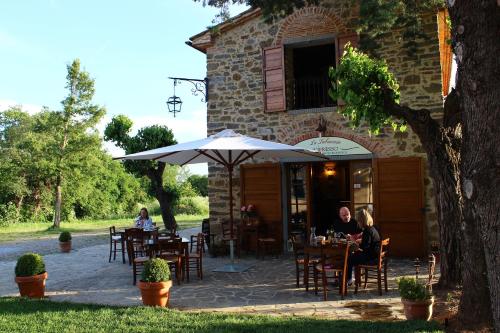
(65, 236)
(156, 270)
(412, 290)
(30, 264)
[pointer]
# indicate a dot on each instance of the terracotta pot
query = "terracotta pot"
(32, 286)
(155, 293)
(65, 246)
(418, 309)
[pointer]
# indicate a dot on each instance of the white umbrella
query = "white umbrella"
(227, 148)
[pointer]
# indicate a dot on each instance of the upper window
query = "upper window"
(306, 76)
(296, 74)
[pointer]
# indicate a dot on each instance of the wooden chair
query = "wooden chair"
(300, 260)
(194, 241)
(171, 251)
(226, 236)
(374, 270)
(195, 260)
(333, 260)
(268, 240)
(136, 251)
(116, 238)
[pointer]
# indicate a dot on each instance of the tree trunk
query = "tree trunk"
(449, 207)
(476, 27)
(164, 198)
(19, 204)
(166, 209)
(58, 201)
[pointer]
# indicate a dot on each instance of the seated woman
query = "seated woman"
(370, 244)
(143, 220)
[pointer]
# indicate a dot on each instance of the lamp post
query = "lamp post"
(174, 103)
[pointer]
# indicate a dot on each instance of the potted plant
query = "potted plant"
(31, 275)
(416, 298)
(65, 241)
(155, 283)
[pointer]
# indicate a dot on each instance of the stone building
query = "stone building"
(270, 81)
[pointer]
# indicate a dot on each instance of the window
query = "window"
(296, 74)
(306, 76)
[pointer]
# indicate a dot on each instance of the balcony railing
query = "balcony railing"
(311, 92)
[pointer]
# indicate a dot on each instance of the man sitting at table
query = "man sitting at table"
(143, 220)
(347, 225)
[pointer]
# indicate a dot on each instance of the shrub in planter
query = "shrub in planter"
(416, 298)
(31, 275)
(65, 241)
(155, 283)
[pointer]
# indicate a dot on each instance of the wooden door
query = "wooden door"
(261, 187)
(399, 203)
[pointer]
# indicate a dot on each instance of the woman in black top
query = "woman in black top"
(370, 244)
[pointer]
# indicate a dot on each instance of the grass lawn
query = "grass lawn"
(40, 230)
(24, 315)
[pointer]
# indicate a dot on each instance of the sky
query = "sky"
(129, 47)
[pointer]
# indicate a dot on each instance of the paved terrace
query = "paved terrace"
(85, 276)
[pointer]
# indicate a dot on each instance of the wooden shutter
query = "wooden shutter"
(260, 185)
(399, 202)
(342, 40)
(445, 52)
(274, 79)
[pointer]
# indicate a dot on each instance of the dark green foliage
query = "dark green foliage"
(26, 315)
(200, 184)
(147, 138)
(413, 290)
(155, 270)
(94, 186)
(65, 236)
(191, 206)
(30, 264)
(366, 85)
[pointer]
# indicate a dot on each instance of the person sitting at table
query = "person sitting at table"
(143, 220)
(369, 248)
(347, 225)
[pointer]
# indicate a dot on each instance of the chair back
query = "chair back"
(334, 256)
(384, 244)
(135, 241)
(168, 247)
(226, 230)
(112, 231)
(200, 243)
(297, 245)
(205, 226)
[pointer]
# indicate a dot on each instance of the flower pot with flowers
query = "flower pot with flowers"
(65, 241)
(31, 275)
(416, 297)
(249, 215)
(155, 283)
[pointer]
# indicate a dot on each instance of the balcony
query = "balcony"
(311, 92)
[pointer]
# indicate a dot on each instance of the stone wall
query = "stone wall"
(234, 68)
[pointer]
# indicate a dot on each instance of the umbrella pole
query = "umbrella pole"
(231, 218)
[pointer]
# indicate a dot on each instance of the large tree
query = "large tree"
(147, 138)
(462, 149)
(77, 117)
(94, 184)
(476, 44)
